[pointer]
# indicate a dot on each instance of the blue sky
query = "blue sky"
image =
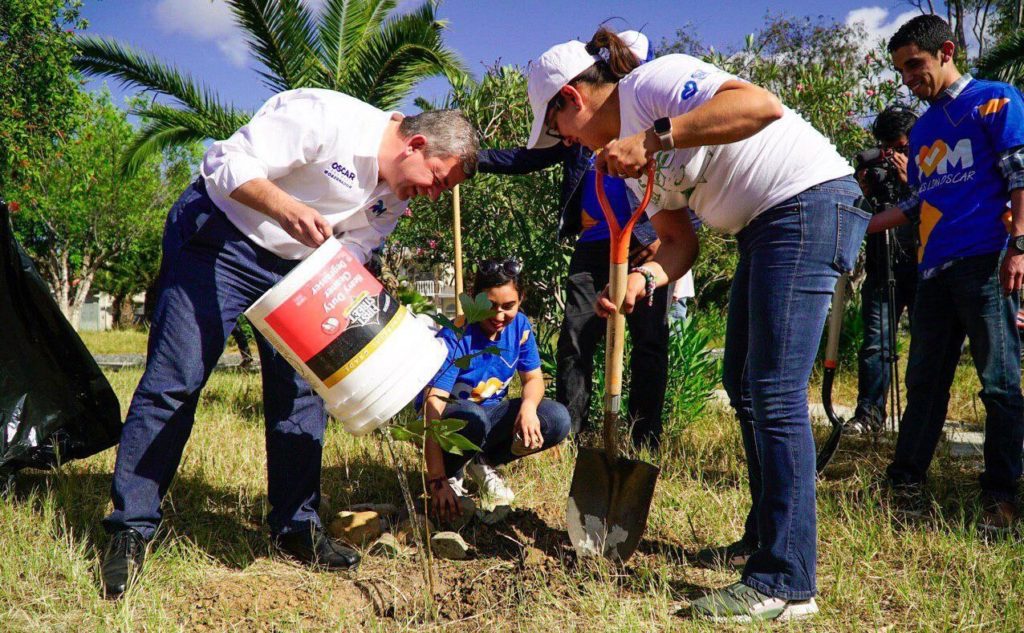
(198, 36)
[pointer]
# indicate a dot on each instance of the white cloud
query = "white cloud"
(874, 21)
(206, 21)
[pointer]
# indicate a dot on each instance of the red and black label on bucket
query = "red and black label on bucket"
(336, 319)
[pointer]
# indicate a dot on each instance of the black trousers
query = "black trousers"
(582, 330)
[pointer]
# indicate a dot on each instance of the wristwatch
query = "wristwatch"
(1017, 242)
(663, 130)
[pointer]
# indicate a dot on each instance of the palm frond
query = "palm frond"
(282, 36)
(392, 60)
(152, 139)
(344, 26)
(108, 58)
(1005, 62)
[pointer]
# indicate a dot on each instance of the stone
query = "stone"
(533, 557)
(495, 516)
(356, 528)
(387, 546)
(404, 531)
(449, 545)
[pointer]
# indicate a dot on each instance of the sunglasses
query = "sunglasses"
(510, 267)
(550, 128)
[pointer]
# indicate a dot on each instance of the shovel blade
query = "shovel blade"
(608, 504)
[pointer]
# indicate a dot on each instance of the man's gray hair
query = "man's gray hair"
(448, 133)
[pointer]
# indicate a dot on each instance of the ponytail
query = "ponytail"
(617, 60)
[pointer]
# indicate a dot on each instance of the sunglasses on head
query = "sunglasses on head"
(510, 267)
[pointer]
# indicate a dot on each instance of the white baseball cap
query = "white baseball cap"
(559, 65)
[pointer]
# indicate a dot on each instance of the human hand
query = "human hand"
(899, 161)
(624, 158)
(444, 503)
(527, 425)
(305, 224)
(1011, 271)
(636, 289)
(643, 254)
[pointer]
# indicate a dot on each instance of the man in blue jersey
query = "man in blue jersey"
(966, 167)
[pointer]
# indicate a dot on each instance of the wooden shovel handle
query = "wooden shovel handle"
(615, 335)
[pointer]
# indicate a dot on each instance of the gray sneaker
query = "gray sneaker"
(740, 603)
(731, 556)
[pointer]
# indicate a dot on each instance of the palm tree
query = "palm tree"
(1005, 61)
(359, 47)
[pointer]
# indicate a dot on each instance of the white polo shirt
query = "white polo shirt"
(726, 185)
(320, 147)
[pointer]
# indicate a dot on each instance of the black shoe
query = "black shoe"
(731, 556)
(314, 547)
(122, 562)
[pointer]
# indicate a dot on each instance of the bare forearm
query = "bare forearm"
(264, 196)
(888, 219)
(1017, 212)
(433, 409)
(679, 246)
(533, 388)
(738, 111)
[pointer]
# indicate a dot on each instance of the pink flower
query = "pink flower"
(419, 252)
(799, 87)
(13, 206)
(848, 93)
(869, 92)
(869, 58)
(407, 213)
(432, 244)
(850, 113)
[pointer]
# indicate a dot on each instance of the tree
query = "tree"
(78, 213)
(359, 47)
(38, 92)
(963, 13)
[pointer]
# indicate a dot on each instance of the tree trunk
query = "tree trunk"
(81, 294)
(122, 310)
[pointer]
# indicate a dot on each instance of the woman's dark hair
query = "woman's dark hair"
(927, 32)
(618, 62)
(494, 272)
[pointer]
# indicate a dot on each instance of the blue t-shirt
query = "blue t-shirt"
(486, 379)
(594, 226)
(955, 149)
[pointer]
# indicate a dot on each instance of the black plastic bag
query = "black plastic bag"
(55, 403)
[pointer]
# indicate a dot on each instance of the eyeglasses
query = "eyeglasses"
(510, 267)
(556, 104)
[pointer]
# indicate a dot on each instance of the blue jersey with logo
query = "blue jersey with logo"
(594, 226)
(955, 148)
(486, 379)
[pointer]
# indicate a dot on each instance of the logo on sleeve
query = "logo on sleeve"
(689, 89)
(378, 208)
(992, 106)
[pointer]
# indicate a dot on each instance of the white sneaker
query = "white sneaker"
(493, 489)
(458, 486)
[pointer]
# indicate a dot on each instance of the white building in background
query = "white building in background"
(97, 312)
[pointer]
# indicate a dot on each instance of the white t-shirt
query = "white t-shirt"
(683, 288)
(320, 147)
(726, 185)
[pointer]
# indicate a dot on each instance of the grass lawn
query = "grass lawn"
(212, 568)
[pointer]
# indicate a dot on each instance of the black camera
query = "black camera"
(880, 178)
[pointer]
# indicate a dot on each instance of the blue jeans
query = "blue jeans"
(790, 258)
(872, 358)
(677, 310)
(491, 428)
(209, 274)
(966, 299)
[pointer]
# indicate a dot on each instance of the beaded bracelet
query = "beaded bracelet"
(651, 282)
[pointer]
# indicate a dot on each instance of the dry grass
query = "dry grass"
(211, 567)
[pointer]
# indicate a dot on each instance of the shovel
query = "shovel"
(610, 496)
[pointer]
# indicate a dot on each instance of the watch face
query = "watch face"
(662, 126)
(1018, 243)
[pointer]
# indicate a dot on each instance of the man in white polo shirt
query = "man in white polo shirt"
(310, 164)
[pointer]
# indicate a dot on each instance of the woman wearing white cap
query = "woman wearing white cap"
(749, 166)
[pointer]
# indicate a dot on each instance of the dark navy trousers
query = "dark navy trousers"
(209, 274)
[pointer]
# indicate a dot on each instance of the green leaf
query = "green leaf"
(402, 434)
(462, 442)
(448, 425)
(416, 426)
(447, 323)
(448, 446)
(478, 309)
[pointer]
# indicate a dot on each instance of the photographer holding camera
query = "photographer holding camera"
(891, 267)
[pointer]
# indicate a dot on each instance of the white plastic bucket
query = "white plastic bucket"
(362, 351)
